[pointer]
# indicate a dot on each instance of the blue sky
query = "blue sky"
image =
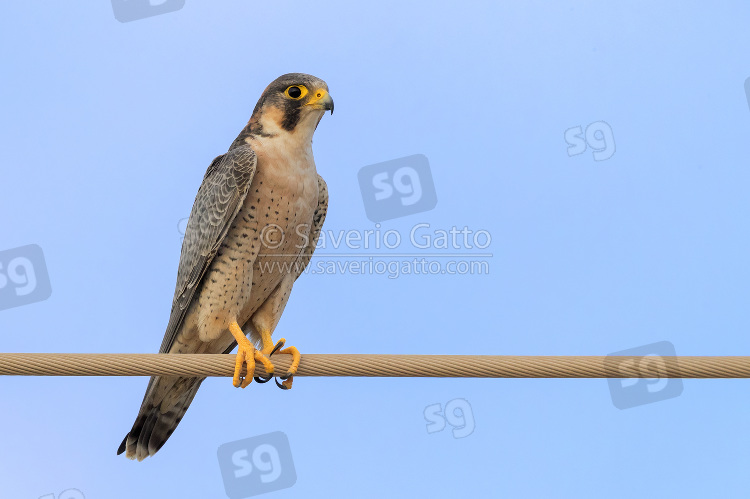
(107, 128)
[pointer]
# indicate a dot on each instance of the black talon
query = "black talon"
(261, 379)
(280, 385)
(279, 344)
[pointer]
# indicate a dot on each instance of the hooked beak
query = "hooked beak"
(321, 99)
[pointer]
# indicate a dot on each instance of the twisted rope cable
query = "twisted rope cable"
(362, 365)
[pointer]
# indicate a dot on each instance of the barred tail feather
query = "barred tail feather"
(165, 403)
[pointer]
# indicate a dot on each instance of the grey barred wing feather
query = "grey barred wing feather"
(318, 218)
(216, 205)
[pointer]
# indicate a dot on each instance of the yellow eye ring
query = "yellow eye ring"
(296, 92)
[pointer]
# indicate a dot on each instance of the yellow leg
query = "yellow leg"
(267, 342)
(246, 354)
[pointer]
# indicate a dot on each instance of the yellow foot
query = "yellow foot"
(286, 384)
(247, 354)
(287, 379)
(268, 349)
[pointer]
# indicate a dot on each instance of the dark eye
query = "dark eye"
(296, 92)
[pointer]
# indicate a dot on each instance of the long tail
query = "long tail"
(164, 404)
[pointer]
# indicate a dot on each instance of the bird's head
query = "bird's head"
(293, 103)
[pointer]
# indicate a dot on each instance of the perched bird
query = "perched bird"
(252, 231)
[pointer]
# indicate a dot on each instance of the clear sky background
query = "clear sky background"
(106, 131)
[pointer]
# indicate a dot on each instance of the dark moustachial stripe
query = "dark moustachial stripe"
(292, 111)
(273, 96)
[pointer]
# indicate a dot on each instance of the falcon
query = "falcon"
(252, 231)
